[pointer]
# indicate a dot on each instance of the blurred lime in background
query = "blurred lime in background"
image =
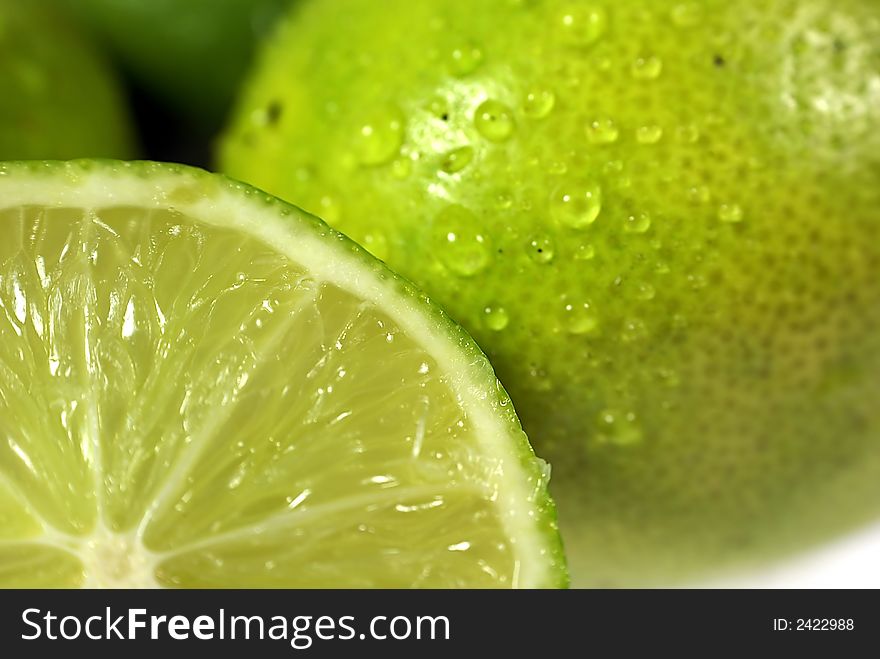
(58, 97)
(189, 53)
(661, 220)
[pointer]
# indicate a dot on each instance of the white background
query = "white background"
(850, 562)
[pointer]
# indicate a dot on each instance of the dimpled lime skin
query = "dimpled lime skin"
(58, 97)
(661, 220)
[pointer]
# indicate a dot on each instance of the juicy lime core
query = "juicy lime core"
(202, 386)
(660, 219)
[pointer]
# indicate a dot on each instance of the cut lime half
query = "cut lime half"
(201, 386)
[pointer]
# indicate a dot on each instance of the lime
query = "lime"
(58, 99)
(191, 53)
(203, 386)
(660, 219)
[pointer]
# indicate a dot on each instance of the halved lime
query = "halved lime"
(201, 386)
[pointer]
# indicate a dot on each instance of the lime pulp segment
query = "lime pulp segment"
(201, 386)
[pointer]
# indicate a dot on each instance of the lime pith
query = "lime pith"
(203, 386)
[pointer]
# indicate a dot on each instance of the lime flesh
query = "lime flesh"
(202, 386)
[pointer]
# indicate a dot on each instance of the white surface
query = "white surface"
(852, 562)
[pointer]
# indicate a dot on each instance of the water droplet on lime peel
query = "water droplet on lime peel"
(378, 140)
(618, 428)
(650, 134)
(576, 204)
(439, 108)
(646, 68)
(730, 213)
(613, 167)
(377, 244)
(582, 23)
(465, 59)
(464, 247)
(668, 377)
(538, 103)
(494, 121)
(602, 131)
(540, 249)
(495, 318)
(700, 194)
(686, 14)
(329, 209)
(634, 329)
(504, 200)
(688, 134)
(557, 167)
(457, 159)
(584, 252)
(401, 168)
(580, 318)
(645, 291)
(539, 379)
(637, 223)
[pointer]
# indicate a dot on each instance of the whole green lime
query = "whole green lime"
(660, 219)
(190, 53)
(58, 98)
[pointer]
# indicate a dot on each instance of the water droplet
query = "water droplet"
(584, 252)
(557, 167)
(688, 134)
(582, 23)
(686, 14)
(730, 213)
(668, 377)
(379, 140)
(541, 249)
(634, 329)
(463, 245)
(576, 204)
(613, 167)
(637, 223)
(401, 168)
(697, 281)
(580, 318)
(329, 209)
(644, 291)
(504, 200)
(465, 59)
(647, 68)
(602, 131)
(457, 159)
(539, 103)
(618, 428)
(495, 318)
(494, 121)
(700, 194)
(649, 134)
(439, 108)
(539, 379)
(377, 244)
